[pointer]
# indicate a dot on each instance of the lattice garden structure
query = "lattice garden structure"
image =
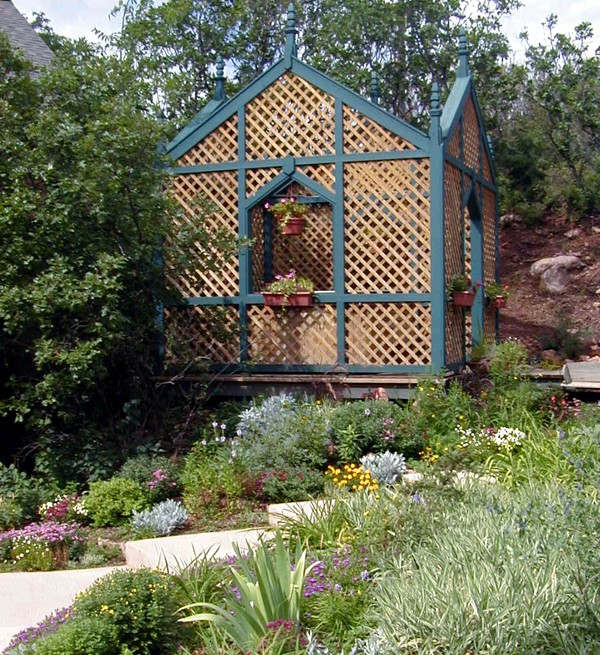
(394, 214)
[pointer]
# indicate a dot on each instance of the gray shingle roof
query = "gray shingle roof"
(22, 35)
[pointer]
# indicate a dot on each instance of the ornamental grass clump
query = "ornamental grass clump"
(352, 477)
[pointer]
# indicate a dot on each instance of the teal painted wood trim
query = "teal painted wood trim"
(454, 106)
(483, 134)
(364, 106)
(339, 248)
(300, 161)
(330, 369)
(245, 254)
(281, 181)
(184, 141)
(476, 233)
(471, 172)
(438, 258)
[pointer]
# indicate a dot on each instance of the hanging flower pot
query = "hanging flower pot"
(293, 226)
(499, 302)
(274, 299)
(289, 290)
(289, 214)
(463, 298)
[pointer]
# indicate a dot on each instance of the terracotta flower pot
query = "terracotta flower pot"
(499, 302)
(299, 299)
(293, 226)
(463, 298)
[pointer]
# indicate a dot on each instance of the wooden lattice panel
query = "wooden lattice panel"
(197, 336)
(454, 142)
(454, 264)
(210, 274)
(487, 168)
(292, 335)
(489, 325)
(386, 214)
(324, 174)
(311, 253)
(258, 245)
(219, 146)
(362, 134)
(291, 117)
(388, 334)
(472, 135)
(256, 178)
(489, 235)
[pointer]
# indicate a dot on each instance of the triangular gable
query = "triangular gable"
(462, 107)
(318, 94)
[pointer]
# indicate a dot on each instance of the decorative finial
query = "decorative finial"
(491, 146)
(435, 112)
(435, 100)
(220, 93)
(290, 32)
(374, 88)
(463, 55)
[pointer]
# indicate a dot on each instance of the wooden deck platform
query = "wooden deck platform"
(338, 385)
(582, 376)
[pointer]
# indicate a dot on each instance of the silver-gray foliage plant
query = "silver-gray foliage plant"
(374, 645)
(386, 467)
(161, 519)
(269, 414)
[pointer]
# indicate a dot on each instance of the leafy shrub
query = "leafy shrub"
(507, 363)
(20, 496)
(25, 641)
(111, 502)
(155, 474)
(81, 636)
(161, 519)
(210, 478)
(283, 432)
(139, 606)
(289, 485)
(387, 468)
(360, 427)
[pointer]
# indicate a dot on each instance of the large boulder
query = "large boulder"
(554, 272)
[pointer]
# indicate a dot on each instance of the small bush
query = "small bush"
(81, 636)
(283, 432)
(161, 519)
(155, 474)
(290, 485)
(210, 479)
(387, 468)
(139, 606)
(360, 427)
(112, 502)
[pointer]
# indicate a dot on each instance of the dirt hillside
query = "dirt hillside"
(541, 320)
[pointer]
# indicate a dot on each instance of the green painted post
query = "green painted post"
(438, 294)
(244, 258)
(339, 255)
(374, 88)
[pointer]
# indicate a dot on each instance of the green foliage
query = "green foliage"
(366, 426)
(270, 585)
(111, 502)
(289, 485)
(20, 496)
(81, 636)
(139, 606)
(210, 479)
(282, 432)
(155, 474)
